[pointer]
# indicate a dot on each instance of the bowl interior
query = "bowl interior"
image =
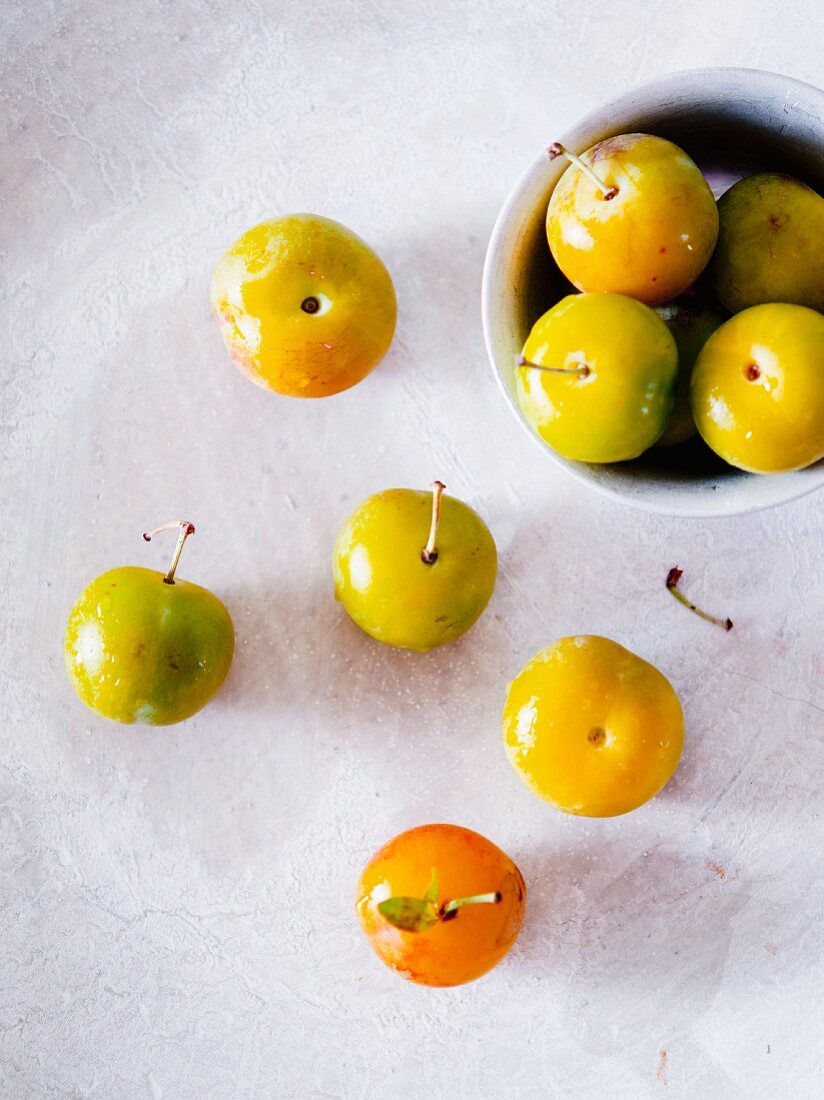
(732, 123)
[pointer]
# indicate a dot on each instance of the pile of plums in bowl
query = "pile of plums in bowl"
(665, 346)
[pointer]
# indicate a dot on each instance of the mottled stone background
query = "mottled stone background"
(176, 905)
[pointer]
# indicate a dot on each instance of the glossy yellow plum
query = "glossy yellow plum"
(597, 377)
(305, 307)
(632, 215)
(691, 323)
(142, 646)
(758, 389)
(770, 244)
(414, 569)
(592, 728)
(441, 905)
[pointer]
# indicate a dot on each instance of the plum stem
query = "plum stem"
(558, 150)
(673, 577)
(429, 555)
(186, 529)
(581, 371)
(420, 914)
(450, 910)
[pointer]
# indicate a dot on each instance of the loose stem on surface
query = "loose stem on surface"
(429, 554)
(582, 370)
(558, 150)
(186, 529)
(673, 577)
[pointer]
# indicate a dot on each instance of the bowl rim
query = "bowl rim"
(689, 505)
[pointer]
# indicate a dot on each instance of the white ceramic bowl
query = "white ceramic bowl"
(732, 122)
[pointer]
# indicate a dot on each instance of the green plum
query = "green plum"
(597, 377)
(770, 244)
(145, 647)
(403, 588)
(691, 324)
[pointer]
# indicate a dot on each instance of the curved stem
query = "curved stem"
(450, 910)
(420, 914)
(673, 577)
(186, 529)
(429, 554)
(582, 371)
(558, 150)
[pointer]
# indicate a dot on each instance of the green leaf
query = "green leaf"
(409, 914)
(432, 889)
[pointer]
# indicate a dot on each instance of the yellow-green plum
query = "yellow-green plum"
(597, 377)
(691, 323)
(758, 389)
(142, 646)
(404, 586)
(632, 215)
(771, 243)
(306, 308)
(592, 728)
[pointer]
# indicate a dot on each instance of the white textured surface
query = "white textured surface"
(176, 905)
